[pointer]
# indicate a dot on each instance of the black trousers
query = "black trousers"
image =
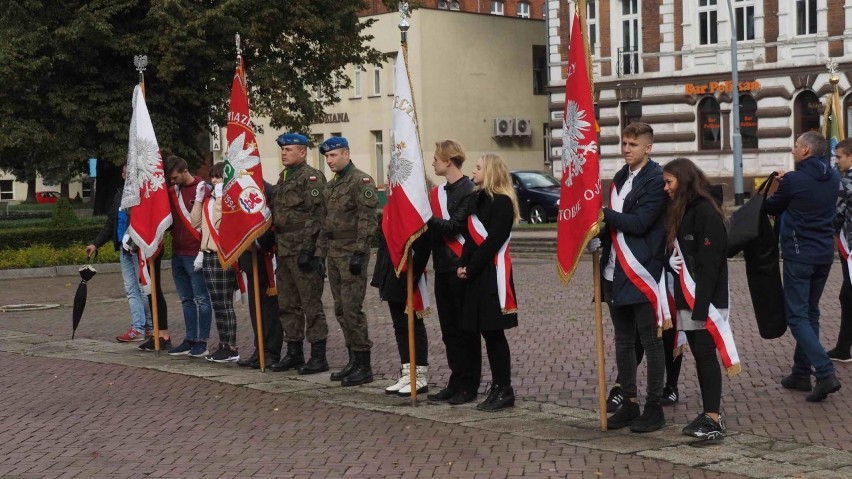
(844, 338)
(400, 331)
(709, 373)
(273, 332)
(499, 357)
(162, 308)
(464, 352)
(672, 363)
(630, 321)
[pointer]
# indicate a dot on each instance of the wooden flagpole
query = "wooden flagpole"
(257, 316)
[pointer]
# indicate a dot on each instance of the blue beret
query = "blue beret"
(333, 143)
(292, 139)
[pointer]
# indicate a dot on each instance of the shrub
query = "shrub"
(19, 238)
(63, 215)
(42, 255)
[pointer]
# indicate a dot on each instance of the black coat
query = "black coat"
(704, 243)
(482, 311)
(393, 288)
(460, 198)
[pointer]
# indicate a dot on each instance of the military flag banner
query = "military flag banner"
(580, 201)
(408, 209)
(833, 129)
(245, 211)
(145, 188)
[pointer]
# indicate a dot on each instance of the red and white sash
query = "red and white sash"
(650, 287)
(717, 325)
(843, 249)
(503, 261)
(438, 201)
(182, 212)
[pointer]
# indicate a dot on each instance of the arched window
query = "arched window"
(806, 112)
(710, 118)
(748, 121)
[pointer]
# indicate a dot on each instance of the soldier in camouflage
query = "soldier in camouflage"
(298, 213)
(350, 223)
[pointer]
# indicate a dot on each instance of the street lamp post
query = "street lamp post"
(739, 197)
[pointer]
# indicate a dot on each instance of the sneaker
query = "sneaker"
(670, 396)
(624, 416)
(823, 388)
(797, 383)
(182, 349)
(652, 419)
(199, 350)
(130, 336)
(704, 427)
(224, 354)
(615, 399)
(837, 354)
(148, 345)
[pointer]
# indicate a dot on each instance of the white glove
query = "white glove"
(217, 190)
(125, 242)
(199, 262)
(593, 245)
(200, 192)
(675, 261)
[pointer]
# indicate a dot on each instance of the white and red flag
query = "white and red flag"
(581, 200)
(245, 211)
(145, 188)
(408, 209)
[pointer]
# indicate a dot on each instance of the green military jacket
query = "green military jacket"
(298, 210)
(350, 221)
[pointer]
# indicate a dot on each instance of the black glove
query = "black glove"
(355, 263)
(304, 262)
(319, 266)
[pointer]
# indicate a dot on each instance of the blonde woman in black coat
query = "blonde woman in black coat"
(490, 306)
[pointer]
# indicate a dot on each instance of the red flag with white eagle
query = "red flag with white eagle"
(245, 211)
(580, 201)
(145, 189)
(408, 209)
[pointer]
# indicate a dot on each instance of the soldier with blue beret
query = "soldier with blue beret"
(348, 230)
(292, 139)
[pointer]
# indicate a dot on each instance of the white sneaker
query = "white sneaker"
(404, 380)
(422, 382)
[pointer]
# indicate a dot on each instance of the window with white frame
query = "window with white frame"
(708, 27)
(497, 7)
(806, 17)
(744, 14)
(523, 10)
(592, 23)
(629, 52)
(356, 82)
(377, 81)
(6, 190)
(378, 148)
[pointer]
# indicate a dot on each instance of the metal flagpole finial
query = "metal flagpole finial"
(237, 40)
(404, 14)
(141, 62)
(832, 66)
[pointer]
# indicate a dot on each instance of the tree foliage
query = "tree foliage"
(67, 78)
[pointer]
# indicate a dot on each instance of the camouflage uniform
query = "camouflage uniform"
(298, 212)
(350, 224)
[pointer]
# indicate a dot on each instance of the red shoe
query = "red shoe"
(130, 336)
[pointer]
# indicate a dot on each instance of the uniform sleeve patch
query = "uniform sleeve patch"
(312, 178)
(366, 180)
(368, 194)
(314, 192)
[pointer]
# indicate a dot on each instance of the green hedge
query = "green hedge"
(20, 238)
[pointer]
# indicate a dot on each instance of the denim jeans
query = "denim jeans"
(803, 285)
(194, 298)
(140, 313)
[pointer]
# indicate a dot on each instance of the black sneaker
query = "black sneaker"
(670, 396)
(615, 399)
(652, 419)
(797, 383)
(148, 345)
(839, 355)
(705, 427)
(823, 388)
(624, 416)
(224, 354)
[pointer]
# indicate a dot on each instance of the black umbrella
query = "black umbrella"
(87, 272)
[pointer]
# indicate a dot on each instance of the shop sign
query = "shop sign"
(721, 87)
(335, 118)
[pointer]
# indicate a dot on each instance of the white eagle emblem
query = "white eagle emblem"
(400, 168)
(574, 128)
(240, 160)
(144, 170)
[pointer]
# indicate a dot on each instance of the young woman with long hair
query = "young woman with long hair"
(697, 241)
(490, 306)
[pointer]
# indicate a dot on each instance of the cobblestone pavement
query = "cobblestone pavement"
(86, 410)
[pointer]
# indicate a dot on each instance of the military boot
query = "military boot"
(317, 363)
(363, 371)
(294, 358)
(339, 375)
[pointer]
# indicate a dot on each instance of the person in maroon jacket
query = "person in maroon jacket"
(186, 267)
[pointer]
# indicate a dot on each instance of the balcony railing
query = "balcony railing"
(628, 62)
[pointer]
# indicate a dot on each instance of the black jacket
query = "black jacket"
(642, 221)
(393, 288)
(704, 244)
(108, 232)
(460, 203)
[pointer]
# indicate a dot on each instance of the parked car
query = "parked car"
(538, 195)
(47, 196)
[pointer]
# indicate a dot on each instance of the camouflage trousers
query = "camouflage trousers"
(300, 302)
(348, 292)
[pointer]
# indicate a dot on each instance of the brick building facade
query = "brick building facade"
(512, 8)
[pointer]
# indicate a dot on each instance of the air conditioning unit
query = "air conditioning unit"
(523, 127)
(504, 126)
